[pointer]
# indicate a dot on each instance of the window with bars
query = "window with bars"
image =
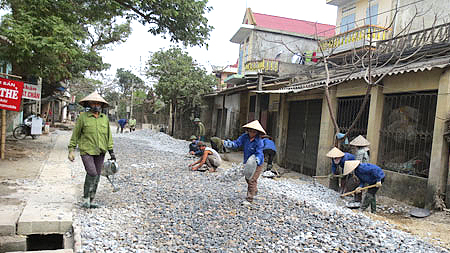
(348, 108)
(406, 135)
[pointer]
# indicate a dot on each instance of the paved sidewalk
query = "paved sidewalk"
(48, 199)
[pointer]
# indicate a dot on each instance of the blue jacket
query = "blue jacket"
(347, 156)
(193, 147)
(269, 144)
(368, 174)
(250, 147)
(122, 122)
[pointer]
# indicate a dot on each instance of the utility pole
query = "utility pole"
(258, 97)
(131, 105)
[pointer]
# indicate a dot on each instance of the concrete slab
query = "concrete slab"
(45, 219)
(8, 218)
(53, 193)
(47, 251)
(13, 243)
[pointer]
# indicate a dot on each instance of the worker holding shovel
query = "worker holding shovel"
(368, 174)
(338, 158)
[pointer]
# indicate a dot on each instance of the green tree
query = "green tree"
(181, 82)
(60, 40)
(127, 81)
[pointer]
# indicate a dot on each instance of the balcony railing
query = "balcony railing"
(348, 40)
(432, 36)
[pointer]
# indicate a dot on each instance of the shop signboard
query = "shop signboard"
(31, 91)
(10, 94)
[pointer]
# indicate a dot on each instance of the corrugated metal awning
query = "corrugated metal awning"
(389, 70)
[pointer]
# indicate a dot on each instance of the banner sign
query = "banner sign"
(31, 91)
(10, 94)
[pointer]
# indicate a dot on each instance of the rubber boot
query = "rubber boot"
(366, 202)
(88, 182)
(373, 204)
(93, 191)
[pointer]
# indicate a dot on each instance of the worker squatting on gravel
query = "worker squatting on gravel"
(92, 135)
(209, 157)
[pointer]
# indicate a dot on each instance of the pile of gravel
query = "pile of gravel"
(164, 207)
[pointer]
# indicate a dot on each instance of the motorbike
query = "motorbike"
(24, 129)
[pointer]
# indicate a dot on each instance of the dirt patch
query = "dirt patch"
(434, 228)
(22, 164)
(23, 158)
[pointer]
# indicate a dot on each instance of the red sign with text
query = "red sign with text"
(10, 94)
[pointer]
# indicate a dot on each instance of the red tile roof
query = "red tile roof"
(293, 25)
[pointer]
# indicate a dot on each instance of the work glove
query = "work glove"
(71, 156)
(228, 144)
(378, 184)
(257, 161)
(358, 189)
(112, 155)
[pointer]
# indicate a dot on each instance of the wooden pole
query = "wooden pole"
(3, 134)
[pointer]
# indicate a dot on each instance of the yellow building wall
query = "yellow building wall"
(384, 14)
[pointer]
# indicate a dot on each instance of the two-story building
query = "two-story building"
(406, 89)
(269, 47)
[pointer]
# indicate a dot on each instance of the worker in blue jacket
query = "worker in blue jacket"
(338, 159)
(121, 124)
(368, 174)
(253, 145)
(269, 150)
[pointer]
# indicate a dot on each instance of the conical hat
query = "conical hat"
(94, 96)
(255, 125)
(350, 166)
(335, 153)
(360, 141)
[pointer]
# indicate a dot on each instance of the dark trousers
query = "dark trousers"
(270, 154)
(93, 164)
(374, 190)
(252, 189)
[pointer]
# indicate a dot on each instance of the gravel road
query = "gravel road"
(162, 206)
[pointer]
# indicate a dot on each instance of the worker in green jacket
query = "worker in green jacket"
(132, 124)
(92, 135)
(201, 129)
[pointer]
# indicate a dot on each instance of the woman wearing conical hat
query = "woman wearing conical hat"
(338, 159)
(253, 145)
(92, 135)
(361, 149)
(368, 174)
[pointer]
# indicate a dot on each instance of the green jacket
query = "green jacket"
(132, 122)
(201, 129)
(92, 135)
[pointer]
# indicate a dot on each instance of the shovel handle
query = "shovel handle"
(362, 189)
(326, 176)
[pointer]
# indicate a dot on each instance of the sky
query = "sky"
(226, 17)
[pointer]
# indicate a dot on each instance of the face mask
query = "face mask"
(96, 108)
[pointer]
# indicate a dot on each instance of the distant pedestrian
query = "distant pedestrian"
(338, 159)
(210, 157)
(361, 149)
(253, 145)
(269, 150)
(194, 149)
(368, 174)
(132, 124)
(200, 130)
(121, 124)
(92, 135)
